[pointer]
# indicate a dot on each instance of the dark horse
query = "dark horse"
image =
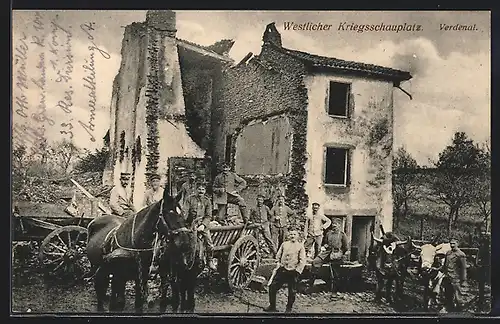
(181, 261)
(123, 248)
(389, 258)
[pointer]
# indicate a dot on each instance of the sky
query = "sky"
(450, 69)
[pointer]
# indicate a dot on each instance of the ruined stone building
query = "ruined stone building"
(163, 83)
(319, 128)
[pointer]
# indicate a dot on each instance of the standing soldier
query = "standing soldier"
(455, 269)
(120, 198)
(198, 210)
(280, 214)
(291, 258)
(316, 223)
(336, 249)
(155, 193)
(261, 215)
(188, 188)
(227, 186)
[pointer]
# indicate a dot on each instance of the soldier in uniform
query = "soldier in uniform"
(280, 214)
(120, 198)
(291, 258)
(198, 210)
(316, 223)
(455, 270)
(336, 250)
(188, 188)
(227, 186)
(261, 215)
(155, 193)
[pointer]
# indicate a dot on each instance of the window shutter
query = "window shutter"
(348, 169)
(350, 103)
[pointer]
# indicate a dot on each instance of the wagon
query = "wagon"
(237, 250)
(62, 240)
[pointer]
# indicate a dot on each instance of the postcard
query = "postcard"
(240, 162)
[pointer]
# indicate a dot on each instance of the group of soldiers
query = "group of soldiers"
(283, 241)
(322, 239)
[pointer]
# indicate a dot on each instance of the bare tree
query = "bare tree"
(405, 184)
(21, 159)
(65, 152)
(42, 150)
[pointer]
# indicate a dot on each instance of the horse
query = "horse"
(180, 263)
(123, 248)
(431, 258)
(389, 258)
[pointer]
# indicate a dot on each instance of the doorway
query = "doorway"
(361, 236)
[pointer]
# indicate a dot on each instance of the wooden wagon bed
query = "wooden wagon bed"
(244, 255)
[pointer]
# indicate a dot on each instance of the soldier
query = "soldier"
(336, 250)
(455, 269)
(261, 215)
(120, 198)
(227, 186)
(188, 188)
(155, 193)
(280, 214)
(291, 258)
(316, 223)
(198, 210)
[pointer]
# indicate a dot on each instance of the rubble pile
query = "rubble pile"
(59, 190)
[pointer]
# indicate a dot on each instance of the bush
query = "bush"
(93, 162)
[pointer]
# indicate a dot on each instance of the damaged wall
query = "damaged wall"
(264, 146)
(368, 133)
(197, 85)
(147, 108)
(264, 87)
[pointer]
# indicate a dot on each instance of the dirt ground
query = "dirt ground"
(35, 294)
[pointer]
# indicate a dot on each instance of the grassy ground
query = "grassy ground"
(435, 223)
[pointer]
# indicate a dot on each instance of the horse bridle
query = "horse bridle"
(397, 260)
(171, 233)
(160, 217)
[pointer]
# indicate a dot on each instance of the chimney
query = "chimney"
(271, 35)
(163, 20)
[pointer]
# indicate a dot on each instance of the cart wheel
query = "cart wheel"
(64, 250)
(243, 261)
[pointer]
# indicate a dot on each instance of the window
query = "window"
(337, 166)
(338, 99)
(339, 219)
(229, 144)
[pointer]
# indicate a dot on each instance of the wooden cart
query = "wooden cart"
(237, 251)
(62, 240)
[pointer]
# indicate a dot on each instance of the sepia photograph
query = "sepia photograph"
(241, 162)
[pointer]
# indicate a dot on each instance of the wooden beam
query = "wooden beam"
(89, 195)
(203, 51)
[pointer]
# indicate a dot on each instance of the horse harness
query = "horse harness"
(113, 239)
(168, 237)
(389, 249)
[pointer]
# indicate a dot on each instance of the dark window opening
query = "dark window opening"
(338, 99)
(229, 144)
(337, 166)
